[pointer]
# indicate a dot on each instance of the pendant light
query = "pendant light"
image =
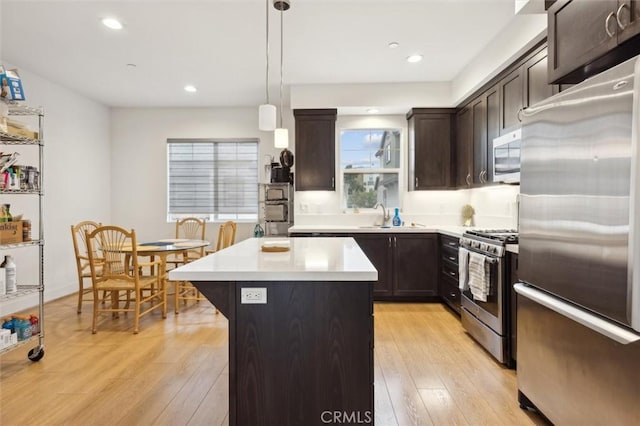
(267, 112)
(281, 135)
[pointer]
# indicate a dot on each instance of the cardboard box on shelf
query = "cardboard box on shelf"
(11, 232)
(19, 129)
(10, 85)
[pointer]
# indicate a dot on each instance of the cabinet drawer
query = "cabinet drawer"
(450, 269)
(450, 292)
(450, 254)
(451, 242)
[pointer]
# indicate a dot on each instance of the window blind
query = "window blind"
(213, 177)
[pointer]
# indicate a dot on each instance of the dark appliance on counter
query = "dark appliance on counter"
(579, 252)
(488, 321)
(281, 173)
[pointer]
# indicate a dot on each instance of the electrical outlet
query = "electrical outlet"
(253, 295)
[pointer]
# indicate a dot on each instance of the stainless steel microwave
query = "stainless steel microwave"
(506, 157)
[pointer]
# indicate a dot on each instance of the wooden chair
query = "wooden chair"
(82, 258)
(191, 228)
(226, 235)
(195, 229)
(120, 271)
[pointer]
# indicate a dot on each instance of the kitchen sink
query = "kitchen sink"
(374, 226)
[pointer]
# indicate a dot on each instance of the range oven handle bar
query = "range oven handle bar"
(488, 258)
(597, 324)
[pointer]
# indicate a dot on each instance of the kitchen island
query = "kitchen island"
(300, 329)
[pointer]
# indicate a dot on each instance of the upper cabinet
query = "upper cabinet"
(431, 132)
(464, 147)
(587, 37)
(496, 111)
(511, 94)
(315, 149)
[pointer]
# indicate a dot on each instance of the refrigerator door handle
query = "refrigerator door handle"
(633, 278)
(597, 324)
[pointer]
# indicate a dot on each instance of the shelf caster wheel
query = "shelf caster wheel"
(36, 354)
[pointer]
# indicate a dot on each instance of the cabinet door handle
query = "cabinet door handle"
(389, 242)
(452, 294)
(416, 183)
(606, 24)
(452, 244)
(451, 258)
(453, 274)
(468, 179)
(395, 242)
(620, 24)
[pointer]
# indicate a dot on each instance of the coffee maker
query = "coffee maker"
(281, 172)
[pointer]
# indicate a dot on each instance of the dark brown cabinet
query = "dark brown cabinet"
(587, 37)
(449, 288)
(477, 126)
(510, 88)
(315, 160)
(431, 133)
(464, 147)
(407, 264)
(378, 249)
(536, 87)
(415, 265)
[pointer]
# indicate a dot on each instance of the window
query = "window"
(212, 179)
(370, 164)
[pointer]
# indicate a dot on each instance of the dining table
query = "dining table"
(168, 246)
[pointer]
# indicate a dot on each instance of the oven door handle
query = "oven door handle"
(597, 324)
(488, 258)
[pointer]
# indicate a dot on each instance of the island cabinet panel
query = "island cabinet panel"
(315, 157)
(415, 265)
(307, 352)
(378, 249)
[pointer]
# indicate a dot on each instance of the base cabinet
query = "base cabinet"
(415, 265)
(407, 264)
(378, 249)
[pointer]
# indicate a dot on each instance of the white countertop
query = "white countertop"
(309, 259)
(454, 231)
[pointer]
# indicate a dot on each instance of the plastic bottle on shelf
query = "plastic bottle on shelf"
(8, 324)
(35, 324)
(23, 328)
(10, 271)
(396, 218)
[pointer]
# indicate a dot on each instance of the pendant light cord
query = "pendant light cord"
(267, 48)
(281, 59)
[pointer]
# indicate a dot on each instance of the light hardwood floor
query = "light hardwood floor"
(427, 371)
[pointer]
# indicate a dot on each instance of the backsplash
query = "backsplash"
(495, 207)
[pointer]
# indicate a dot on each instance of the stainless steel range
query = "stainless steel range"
(485, 288)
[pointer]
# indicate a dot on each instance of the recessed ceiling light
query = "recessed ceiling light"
(414, 58)
(112, 23)
(131, 65)
(190, 88)
(373, 110)
(393, 44)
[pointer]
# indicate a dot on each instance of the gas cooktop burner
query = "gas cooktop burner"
(504, 236)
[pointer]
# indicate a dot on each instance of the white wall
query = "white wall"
(76, 183)
(139, 169)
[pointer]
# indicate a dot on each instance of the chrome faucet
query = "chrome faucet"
(385, 213)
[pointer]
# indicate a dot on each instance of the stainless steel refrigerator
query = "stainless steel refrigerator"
(579, 295)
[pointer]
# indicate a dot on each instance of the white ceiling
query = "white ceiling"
(219, 45)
